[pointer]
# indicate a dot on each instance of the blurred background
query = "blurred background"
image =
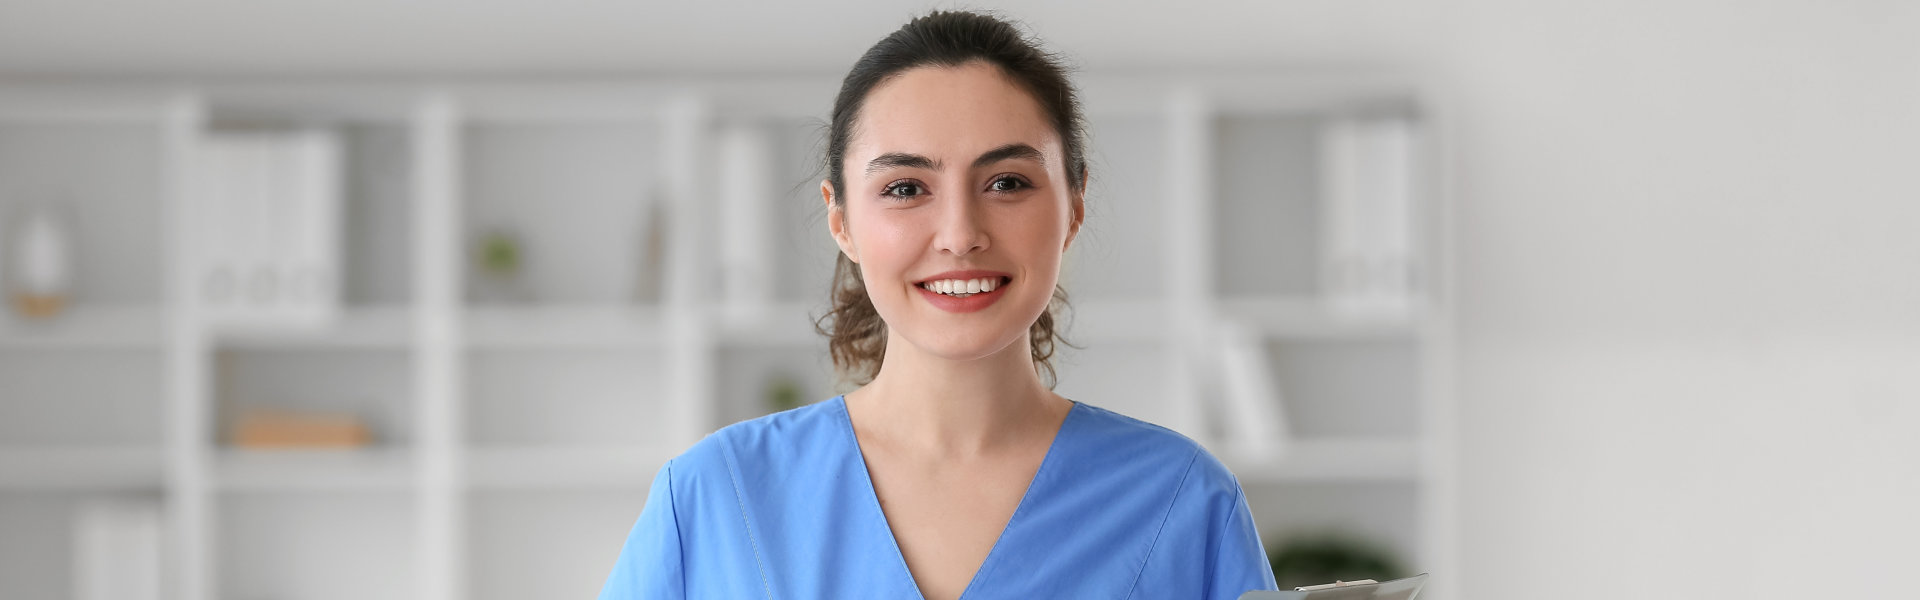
(1551, 299)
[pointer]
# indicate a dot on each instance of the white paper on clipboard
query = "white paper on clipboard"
(1407, 588)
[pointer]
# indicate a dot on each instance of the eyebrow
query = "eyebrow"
(1014, 151)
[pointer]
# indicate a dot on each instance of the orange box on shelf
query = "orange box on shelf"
(295, 430)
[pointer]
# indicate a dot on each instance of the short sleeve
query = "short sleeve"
(1208, 546)
(1239, 561)
(650, 564)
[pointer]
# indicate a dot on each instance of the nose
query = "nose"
(962, 230)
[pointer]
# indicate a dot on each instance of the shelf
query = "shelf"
(107, 183)
(775, 325)
(86, 327)
(142, 328)
(524, 544)
(388, 327)
(580, 200)
(790, 324)
(83, 104)
(313, 470)
(540, 468)
(1101, 320)
(313, 546)
(566, 327)
(81, 468)
(1307, 317)
(1357, 459)
(1118, 321)
(567, 390)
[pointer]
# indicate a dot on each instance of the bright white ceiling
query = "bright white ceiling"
(374, 37)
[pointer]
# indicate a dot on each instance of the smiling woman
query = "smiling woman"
(966, 173)
(956, 183)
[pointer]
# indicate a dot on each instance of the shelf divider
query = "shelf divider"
(190, 506)
(1189, 278)
(440, 509)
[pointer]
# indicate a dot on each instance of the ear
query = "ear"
(1077, 205)
(837, 223)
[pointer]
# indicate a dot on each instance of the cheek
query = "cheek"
(1035, 233)
(886, 244)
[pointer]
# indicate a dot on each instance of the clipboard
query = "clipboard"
(1406, 588)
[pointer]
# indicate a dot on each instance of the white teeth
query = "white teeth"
(963, 286)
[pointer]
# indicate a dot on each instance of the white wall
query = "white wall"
(1690, 301)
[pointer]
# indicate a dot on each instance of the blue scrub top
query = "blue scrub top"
(782, 507)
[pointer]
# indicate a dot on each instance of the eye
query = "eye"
(1006, 183)
(903, 190)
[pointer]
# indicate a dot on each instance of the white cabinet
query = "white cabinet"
(518, 418)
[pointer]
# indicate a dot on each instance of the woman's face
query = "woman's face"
(954, 177)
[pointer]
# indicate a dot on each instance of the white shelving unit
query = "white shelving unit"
(516, 438)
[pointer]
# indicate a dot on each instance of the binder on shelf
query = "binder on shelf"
(267, 217)
(1368, 191)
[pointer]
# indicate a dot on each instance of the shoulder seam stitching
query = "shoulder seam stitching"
(733, 477)
(1155, 544)
(1226, 529)
(673, 510)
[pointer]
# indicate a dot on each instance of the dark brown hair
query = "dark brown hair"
(857, 337)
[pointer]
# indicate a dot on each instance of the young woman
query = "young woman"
(955, 182)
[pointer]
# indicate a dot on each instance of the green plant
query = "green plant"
(783, 393)
(1326, 557)
(499, 254)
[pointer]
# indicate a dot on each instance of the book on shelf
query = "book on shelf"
(117, 550)
(1254, 416)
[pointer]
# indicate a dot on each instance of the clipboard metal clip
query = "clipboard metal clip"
(1336, 584)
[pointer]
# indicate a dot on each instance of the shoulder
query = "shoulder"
(1111, 437)
(787, 437)
(1136, 439)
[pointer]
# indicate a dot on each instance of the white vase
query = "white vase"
(40, 263)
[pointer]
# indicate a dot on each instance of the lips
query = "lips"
(968, 302)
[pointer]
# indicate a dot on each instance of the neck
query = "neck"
(956, 407)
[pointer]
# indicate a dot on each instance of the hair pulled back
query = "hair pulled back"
(857, 337)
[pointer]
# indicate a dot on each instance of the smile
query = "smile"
(963, 292)
(961, 288)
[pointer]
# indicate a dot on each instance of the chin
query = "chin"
(964, 347)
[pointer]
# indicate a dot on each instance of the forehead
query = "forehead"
(949, 113)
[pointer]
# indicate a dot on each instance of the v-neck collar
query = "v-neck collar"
(873, 496)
